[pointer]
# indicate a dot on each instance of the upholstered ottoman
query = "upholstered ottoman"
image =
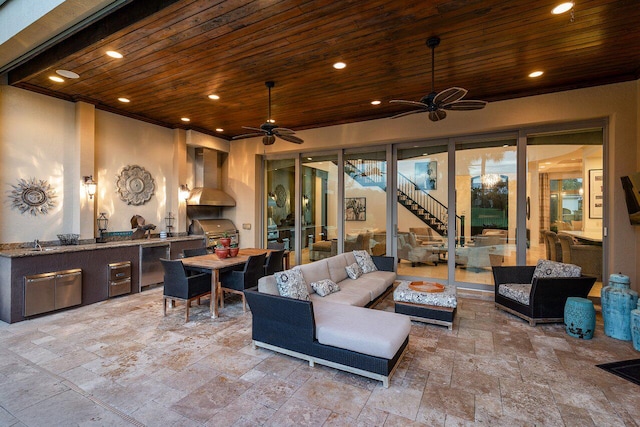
(437, 308)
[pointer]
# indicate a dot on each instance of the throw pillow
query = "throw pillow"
(547, 268)
(364, 261)
(291, 284)
(353, 271)
(325, 287)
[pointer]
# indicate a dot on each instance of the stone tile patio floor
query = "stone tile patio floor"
(121, 363)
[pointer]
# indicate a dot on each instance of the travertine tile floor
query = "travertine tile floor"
(120, 363)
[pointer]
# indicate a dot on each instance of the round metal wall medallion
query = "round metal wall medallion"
(135, 185)
(34, 196)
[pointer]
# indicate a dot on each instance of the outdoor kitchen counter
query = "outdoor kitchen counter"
(48, 250)
(93, 259)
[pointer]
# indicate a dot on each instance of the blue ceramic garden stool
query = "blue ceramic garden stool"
(580, 317)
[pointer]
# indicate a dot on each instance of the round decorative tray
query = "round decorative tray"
(429, 287)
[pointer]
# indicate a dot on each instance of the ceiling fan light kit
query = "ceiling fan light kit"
(436, 103)
(269, 130)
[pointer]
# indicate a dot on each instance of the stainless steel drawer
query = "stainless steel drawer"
(68, 288)
(120, 287)
(119, 271)
(39, 294)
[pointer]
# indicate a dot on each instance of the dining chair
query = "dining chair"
(179, 286)
(274, 262)
(194, 252)
(236, 281)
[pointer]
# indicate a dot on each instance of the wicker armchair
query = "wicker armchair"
(537, 299)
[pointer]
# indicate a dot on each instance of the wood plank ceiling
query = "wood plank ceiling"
(178, 52)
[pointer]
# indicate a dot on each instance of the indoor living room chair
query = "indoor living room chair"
(588, 257)
(236, 281)
(179, 286)
(538, 293)
(273, 263)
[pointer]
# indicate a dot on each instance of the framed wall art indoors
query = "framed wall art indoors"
(355, 209)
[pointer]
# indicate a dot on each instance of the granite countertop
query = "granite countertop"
(28, 252)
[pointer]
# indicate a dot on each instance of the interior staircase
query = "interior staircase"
(420, 203)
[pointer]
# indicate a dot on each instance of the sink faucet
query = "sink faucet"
(36, 245)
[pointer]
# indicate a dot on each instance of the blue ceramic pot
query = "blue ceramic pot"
(617, 302)
(635, 327)
(580, 317)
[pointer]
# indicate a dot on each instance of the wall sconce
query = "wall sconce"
(184, 192)
(90, 186)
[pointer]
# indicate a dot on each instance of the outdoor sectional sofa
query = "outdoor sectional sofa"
(338, 330)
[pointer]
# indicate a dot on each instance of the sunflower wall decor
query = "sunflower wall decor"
(34, 196)
(135, 185)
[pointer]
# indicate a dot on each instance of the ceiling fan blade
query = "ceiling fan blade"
(449, 95)
(408, 113)
(412, 103)
(268, 139)
(465, 105)
(247, 135)
(290, 138)
(251, 128)
(283, 131)
(437, 115)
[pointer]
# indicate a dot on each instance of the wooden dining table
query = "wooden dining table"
(211, 263)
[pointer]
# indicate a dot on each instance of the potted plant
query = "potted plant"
(221, 251)
(233, 250)
(225, 240)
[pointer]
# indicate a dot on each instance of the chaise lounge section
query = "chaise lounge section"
(337, 330)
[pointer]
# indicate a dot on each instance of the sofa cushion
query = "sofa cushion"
(291, 284)
(516, 291)
(336, 265)
(314, 272)
(353, 271)
(364, 261)
(373, 332)
(349, 257)
(546, 268)
(325, 287)
(347, 296)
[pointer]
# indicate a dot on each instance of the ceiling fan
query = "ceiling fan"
(437, 103)
(269, 130)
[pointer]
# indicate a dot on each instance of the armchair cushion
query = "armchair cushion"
(291, 284)
(365, 262)
(325, 287)
(546, 268)
(516, 291)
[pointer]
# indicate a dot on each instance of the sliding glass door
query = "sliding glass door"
(486, 195)
(422, 211)
(565, 198)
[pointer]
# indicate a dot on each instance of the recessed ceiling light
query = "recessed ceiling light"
(124, 100)
(536, 74)
(309, 158)
(562, 8)
(547, 163)
(542, 167)
(219, 130)
(376, 102)
(68, 74)
(505, 145)
(114, 54)
(56, 79)
(214, 97)
(271, 120)
(339, 65)
(185, 119)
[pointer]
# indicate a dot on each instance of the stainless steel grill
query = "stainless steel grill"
(214, 229)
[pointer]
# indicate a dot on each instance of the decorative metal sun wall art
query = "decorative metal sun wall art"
(135, 185)
(34, 196)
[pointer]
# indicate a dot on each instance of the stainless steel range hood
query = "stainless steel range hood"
(207, 191)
